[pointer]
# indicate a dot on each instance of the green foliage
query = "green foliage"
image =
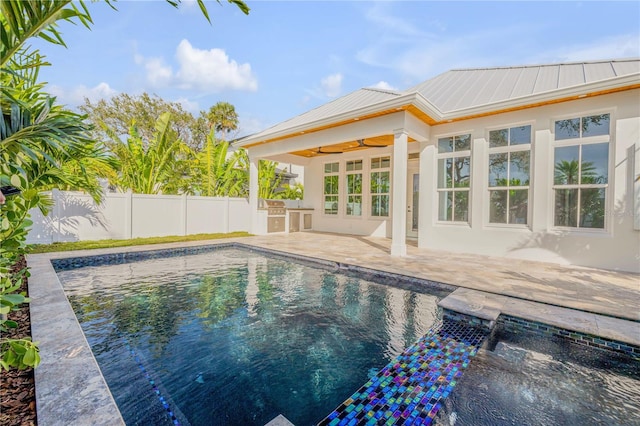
(22, 20)
(118, 112)
(14, 225)
(19, 353)
(216, 174)
(268, 179)
(149, 167)
(291, 192)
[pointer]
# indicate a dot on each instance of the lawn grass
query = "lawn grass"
(86, 245)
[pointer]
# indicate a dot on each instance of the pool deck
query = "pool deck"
(592, 301)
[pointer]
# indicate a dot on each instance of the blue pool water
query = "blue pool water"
(234, 337)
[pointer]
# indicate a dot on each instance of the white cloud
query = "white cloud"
(332, 85)
(204, 70)
(384, 86)
(212, 70)
(158, 73)
(76, 95)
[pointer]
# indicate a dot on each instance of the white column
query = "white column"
(428, 191)
(399, 194)
(253, 193)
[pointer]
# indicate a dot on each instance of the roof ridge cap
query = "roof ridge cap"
(599, 61)
(387, 91)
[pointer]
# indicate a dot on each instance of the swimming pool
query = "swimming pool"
(235, 337)
(230, 336)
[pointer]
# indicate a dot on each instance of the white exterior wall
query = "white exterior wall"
(615, 247)
(75, 217)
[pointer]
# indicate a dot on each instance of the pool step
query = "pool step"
(279, 421)
(409, 390)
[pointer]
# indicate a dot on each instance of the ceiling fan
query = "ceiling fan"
(361, 144)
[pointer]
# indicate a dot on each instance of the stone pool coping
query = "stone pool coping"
(70, 388)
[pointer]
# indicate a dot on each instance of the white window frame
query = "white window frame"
(337, 194)
(580, 142)
(509, 149)
(346, 184)
(453, 155)
(371, 194)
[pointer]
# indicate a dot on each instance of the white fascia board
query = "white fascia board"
(398, 102)
(582, 89)
(290, 159)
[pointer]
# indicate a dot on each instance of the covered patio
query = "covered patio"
(471, 161)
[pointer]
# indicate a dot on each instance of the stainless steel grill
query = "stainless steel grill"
(276, 212)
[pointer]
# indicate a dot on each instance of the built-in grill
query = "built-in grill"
(276, 215)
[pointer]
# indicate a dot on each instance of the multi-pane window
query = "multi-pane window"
(454, 175)
(354, 187)
(581, 171)
(380, 186)
(331, 187)
(509, 174)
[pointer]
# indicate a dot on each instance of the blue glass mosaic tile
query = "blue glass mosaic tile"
(409, 390)
(515, 325)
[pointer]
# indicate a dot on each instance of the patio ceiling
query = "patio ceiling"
(355, 145)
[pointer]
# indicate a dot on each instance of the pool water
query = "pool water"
(234, 337)
(529, 380)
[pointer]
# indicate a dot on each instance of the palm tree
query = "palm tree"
(223, 118)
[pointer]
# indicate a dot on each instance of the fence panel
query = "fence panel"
(76, 217)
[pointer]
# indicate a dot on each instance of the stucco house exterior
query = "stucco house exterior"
(536, 162)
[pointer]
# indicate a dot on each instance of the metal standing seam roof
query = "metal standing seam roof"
(468, 88)
(351, 102)
(460, 89)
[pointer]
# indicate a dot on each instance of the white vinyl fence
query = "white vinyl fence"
(76, 217)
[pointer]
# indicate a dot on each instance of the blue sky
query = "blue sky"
(287, 57)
